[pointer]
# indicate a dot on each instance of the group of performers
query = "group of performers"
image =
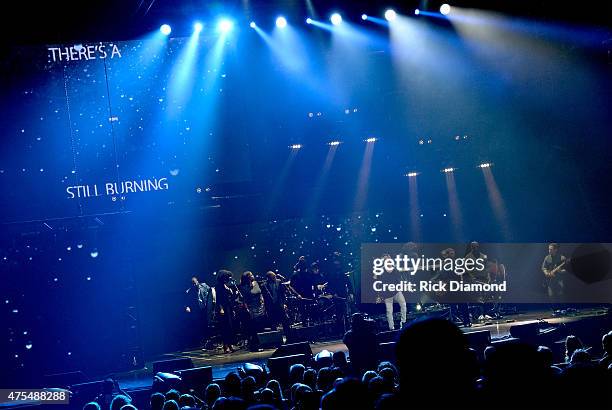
(255, 303)
(310, 296)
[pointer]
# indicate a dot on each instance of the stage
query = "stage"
(225, 363)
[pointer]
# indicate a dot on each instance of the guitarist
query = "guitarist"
(553, 267)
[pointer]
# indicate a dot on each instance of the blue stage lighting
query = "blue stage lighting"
(308, 20)
(281, 22)
(198, 27)
(445, 9)
(252, 25)
(364, 16)
(225, 25)
(390, 15)
(417, 12)
(336, 19)
(165, 29)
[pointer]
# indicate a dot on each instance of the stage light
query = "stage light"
(445, 9)
(281, 22)
(225, 25)
(390, 15)
(371, 139)
(308, 20)
(485, 165)
(412, 174)
(364, 16)
(165, 29)
(334, 143)
(295, 146)
(252, 25)
(198, 27)
(417, 12)
(447, 170)
(336, 19)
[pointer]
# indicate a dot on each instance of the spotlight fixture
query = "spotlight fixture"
(198, 27)
(281, 22)
(371, 139)
(445, 9)
(390, 15)
(252, 25)
(447, 170)
(364, 16)
(336, 19)
(412, 174)
(225, 25)
(308, 20)
(485, 165)
(333, 143)
(165, 29)
(295, 146)
(417, 12)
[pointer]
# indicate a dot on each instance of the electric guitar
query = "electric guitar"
(552, 274)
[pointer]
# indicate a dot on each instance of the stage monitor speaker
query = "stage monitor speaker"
(172, 365)
(479, 339)
(387, 336)
(386, 352)
(504, 341)
(526, 332)
(291, 349)
(270, 339)
(85, 392)
(63, 380)
(279, 366)
(197, 378)
(303, 334)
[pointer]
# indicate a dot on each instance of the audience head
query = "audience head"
(171, 405)
(310, 378)
(367, 376)
(580, 356)
(606, 343)
(339, 359)
(119, 401)
(232, 385)
(296, 373)
(572, 343)
(212, 393)
(275, 386)
(186, 400)
(128, 407)
(92, 405)
(248, 386)
(157, 401)
(545, 355)
(173, 395)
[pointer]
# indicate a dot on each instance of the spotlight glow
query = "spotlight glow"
(308, 20)
(371, 139)
(445, 9)
(412, 174)
(225, 25)
(198, 27)
(252, 25)
(336, 19)
(281, 22)
(485, 165)
(417, 12)
(295, 146)
(334, 143)
(364, 16)
(165, 29)
(390, 15)
(447, 170)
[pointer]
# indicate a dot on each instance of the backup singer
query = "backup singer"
(255, 309)
(226, 301)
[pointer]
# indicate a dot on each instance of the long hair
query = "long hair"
(223, 277)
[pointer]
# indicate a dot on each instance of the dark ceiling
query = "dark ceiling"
(64, 21)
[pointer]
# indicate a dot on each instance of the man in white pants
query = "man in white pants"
(393, 276)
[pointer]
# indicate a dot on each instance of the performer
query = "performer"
(340, 291)
(201, 305)
(393, 276)
(255, 309)
(473, 252)
(302, 284)
(275, 296)
(553, 267)
(226, 300)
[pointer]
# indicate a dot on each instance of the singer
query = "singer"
(201, 300)
(226, 308)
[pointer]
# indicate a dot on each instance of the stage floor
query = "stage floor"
(226, 363)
